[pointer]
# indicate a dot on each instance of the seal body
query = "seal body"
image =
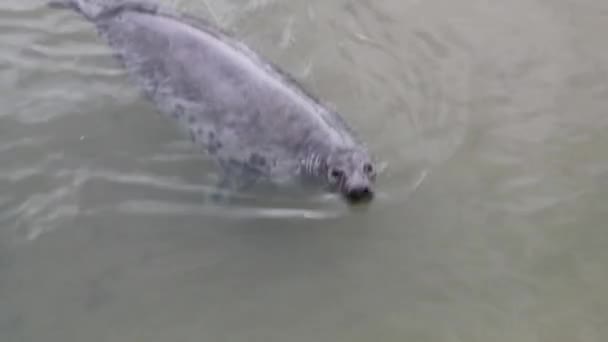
(256, 121)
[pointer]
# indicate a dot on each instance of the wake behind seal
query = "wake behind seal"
(256, 121)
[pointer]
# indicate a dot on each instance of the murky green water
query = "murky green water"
(492, 219)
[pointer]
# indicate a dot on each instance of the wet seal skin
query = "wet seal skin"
(257, 122)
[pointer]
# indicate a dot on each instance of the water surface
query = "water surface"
(490, 224)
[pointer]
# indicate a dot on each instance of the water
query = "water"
(490, 224)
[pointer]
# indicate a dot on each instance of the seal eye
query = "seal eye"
(368, 168)
(336, 174)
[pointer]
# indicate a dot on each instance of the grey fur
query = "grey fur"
(247, 113)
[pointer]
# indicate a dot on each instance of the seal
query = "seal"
(255, 120)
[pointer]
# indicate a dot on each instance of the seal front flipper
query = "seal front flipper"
(236, 178)
(222, 192)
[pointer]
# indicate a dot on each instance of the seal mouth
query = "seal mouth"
(359, 195)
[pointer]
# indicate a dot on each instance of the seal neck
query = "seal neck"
(313, 165)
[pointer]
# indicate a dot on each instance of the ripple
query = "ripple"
(146, 207)
(425, 123)
(410, 89)
(28, 142)
(69, 197)
(43, 212)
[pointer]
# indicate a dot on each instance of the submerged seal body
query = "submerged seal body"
(256, 121)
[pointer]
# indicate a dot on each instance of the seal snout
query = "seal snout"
(359, 194)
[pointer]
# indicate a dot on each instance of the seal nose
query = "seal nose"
(360, 194)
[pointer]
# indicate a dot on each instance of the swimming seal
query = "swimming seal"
(256, 121)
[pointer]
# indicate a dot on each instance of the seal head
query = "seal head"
(352, 173)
